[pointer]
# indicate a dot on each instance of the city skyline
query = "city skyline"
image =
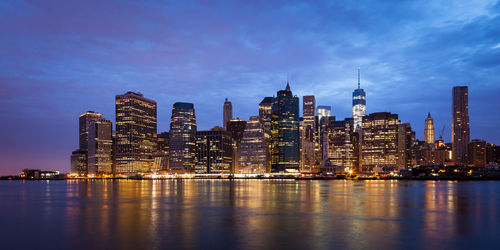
(41, 80)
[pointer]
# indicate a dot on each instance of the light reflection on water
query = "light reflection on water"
(249, 214)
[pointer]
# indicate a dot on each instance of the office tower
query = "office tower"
(309, 136)
(79, 163)
(182, 138)
(236, 127)
(358, 106)
(214, 152)
(265, 111)
(84, 122)
(324, 111)
(100, 137)
(460, 132)
(161, 156)
(227, 113)
(429, 130)
(492, 153)
(253, 153)
(135, 133)
(477, 153)
(406, 138)
(285, 132)
(341, 144)
(380, 140)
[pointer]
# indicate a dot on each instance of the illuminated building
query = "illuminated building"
(380, 141)
(227, 113)
(429, 130)
(309, 137)
(84, 122)
(214, 152)
(492, 153)
(236, 128)
(342, 144)
(100, 137)
(406, 138)
(135, 133)
(324, 111)
(182, 138)
(358, 106)
(160, 157)
(285, 132)
(460, 132)
(253, 153)
(265, 111)
(79, 162)
(477, 153)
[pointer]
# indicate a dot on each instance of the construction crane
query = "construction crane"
(442, 132)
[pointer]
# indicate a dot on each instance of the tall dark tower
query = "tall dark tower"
(285, 132)
(135, 133)
(227, 113)
(182, 138)
(460, 132)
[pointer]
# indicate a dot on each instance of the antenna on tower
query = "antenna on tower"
(358, 80)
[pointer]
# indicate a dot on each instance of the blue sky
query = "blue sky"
(61, 58)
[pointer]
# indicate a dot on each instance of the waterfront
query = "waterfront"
(249, 214)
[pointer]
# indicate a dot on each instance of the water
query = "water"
(249, 214)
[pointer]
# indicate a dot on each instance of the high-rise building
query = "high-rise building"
(253, 153)
(492, 153)
(324, 111)
(161, 156)
(135, 133)
(429, 130)
(84, 122)
(380, 141)
(227, 113)
(406, 138)
(477, 153)
(100, 137)
(265, 111)
(79, 163)
(309, 136)
(341, 144)
(182, 138)
(358, 105)
(214, 152)
(285, 132)
(236, 128)
(460, 124)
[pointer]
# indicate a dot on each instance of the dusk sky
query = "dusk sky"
(59, 59)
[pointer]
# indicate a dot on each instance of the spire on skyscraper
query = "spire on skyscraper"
(359, 84)
(287, 86)
(429, 115)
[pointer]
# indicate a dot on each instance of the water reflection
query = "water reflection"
(249, 214)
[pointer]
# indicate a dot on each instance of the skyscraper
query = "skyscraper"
(135, 133)
(182, 138)
(285, 132)
(84, 121)
(236, 128)
(429, 130)
(253, 154)
(358, 105)
(79, 162)
(214, 152)
(380, 140)
(324, 111)
(100, 147)
(227, 113)
(460, 124)
(161, 156)
(265, 111)
(477, 153)
(308, 134)
(341, 144)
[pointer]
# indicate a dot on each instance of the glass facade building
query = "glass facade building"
(285, 132)
(135, 133)
(214, 152)
(182, 138)
(99, 159)
(358, 105)
(342, 144)
(253, 154)
(380, 141)
(460, 136)
(227, 114)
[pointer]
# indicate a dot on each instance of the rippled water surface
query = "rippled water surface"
(249, 214)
